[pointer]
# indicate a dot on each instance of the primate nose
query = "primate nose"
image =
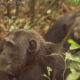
(4, 53)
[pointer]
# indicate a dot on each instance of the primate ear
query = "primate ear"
(32, 46)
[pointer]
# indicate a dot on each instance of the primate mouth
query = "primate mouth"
(6, 68)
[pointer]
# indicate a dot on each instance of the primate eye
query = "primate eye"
(9, 44)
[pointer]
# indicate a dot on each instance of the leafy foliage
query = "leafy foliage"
(13, 28)
(74, 66)
(27, 25)
(74, 45)
(74, 2)
(13, 22)
(49, 69)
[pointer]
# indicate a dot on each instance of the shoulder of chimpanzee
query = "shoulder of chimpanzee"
(58, 31)
(61, 27)
(59, 24)
(55, 62)
(51, 47)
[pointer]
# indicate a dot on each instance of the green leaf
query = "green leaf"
(74, 2)
(74, 45)
(73, 76)
(17, 20)
(54, 54)
(49, 70)
(13, 28)
(44, 75)
(74, 65)
(69, 56)
(13, 17)
(27, 25)
(10, 21)
(72, 70)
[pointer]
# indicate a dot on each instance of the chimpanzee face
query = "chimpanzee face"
(12, 56)
(17, 46)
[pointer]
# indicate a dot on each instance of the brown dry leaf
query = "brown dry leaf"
(73, 8)
(46, 28)
(5, 12)
(36, 28)
(13, 11)
(2, 26)
(22, 20)
(11, 0)
(22, 23)
(49, 11)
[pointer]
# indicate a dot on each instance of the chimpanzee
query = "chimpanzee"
(60, 29)
(25, 56)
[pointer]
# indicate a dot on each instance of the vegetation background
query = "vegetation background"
(37, 14)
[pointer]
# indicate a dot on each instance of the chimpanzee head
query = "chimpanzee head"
(18, 45)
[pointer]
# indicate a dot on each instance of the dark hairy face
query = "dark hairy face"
(12, 56)
(17, 46)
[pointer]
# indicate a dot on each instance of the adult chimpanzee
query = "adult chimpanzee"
(25, 57)
(60, 29)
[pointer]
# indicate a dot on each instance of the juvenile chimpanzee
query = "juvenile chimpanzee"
(25, 57)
